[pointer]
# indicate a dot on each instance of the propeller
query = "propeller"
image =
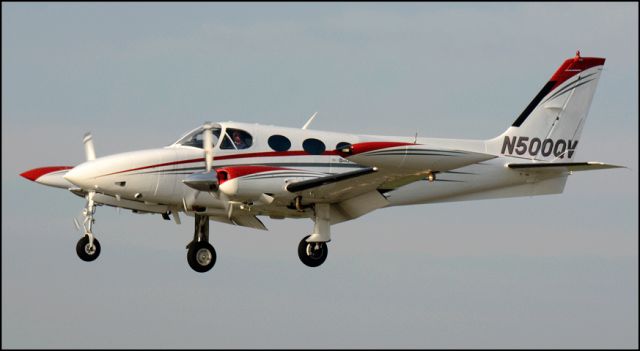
(90, 207)
(203, 181)
(89, 150)
(207, 140)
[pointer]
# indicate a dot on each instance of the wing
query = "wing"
(386, 166)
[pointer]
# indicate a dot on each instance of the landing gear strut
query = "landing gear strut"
(313, 250)
(201, 255)
(88, 247)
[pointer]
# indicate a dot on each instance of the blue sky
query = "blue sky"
(549, 271)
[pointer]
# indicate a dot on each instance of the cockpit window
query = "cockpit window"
(195, 138)
(236, 139)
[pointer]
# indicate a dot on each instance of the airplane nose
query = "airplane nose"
(80, 175)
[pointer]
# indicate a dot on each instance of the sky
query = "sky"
(547, 271)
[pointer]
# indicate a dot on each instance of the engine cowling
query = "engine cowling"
(205, 181)
(246, 183)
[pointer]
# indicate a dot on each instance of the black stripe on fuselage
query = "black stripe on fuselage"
(304, 164)
(312, 183)
(414, 150)
(400, 153)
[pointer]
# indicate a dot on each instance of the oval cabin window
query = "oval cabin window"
(279, 143)
(313, 146)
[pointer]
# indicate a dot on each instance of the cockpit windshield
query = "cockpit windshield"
(194, 138)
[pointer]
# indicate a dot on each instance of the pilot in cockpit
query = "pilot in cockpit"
(237, 140)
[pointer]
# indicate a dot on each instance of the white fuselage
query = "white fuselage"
(151, 180)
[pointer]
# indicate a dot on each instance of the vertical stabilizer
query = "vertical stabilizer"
(549, 128)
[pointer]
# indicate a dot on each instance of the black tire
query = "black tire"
(317, 257)
(82, 249)
(201, 256)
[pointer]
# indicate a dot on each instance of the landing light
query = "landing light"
(431, 177)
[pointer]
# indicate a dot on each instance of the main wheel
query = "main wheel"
(85, 252)
(312, 254)
(201, 256)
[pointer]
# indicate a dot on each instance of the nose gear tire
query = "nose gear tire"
(85, 252)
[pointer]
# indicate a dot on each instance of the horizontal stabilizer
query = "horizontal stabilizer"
(562, 166)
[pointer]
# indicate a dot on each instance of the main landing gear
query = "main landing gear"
(88, 247)
(313, 249)
(201, 255)
(312, 254)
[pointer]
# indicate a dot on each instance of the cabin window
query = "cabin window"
(236, 139)
(279, 142)
(313, 146)
(341, 145)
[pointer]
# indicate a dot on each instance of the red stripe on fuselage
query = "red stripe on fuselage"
(372, 146)
(36, 173)
(231, 172)
(227, 157)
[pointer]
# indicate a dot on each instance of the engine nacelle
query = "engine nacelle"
(248, 183)
(205, 181)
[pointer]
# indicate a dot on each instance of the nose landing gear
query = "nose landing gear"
(86, 251)
(88, 247)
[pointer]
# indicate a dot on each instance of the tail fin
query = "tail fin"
(549, 128)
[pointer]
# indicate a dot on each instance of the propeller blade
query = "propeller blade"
(207, 140)
(75, 221)
(89, 150)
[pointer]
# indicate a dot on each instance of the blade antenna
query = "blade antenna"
(309, 121)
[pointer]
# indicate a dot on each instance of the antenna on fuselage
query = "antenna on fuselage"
(309, 121)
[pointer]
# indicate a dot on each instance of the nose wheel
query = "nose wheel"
(88, 247)
(312, 254)
(86, 251)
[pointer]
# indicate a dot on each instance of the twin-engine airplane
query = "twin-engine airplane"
(235, 172)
